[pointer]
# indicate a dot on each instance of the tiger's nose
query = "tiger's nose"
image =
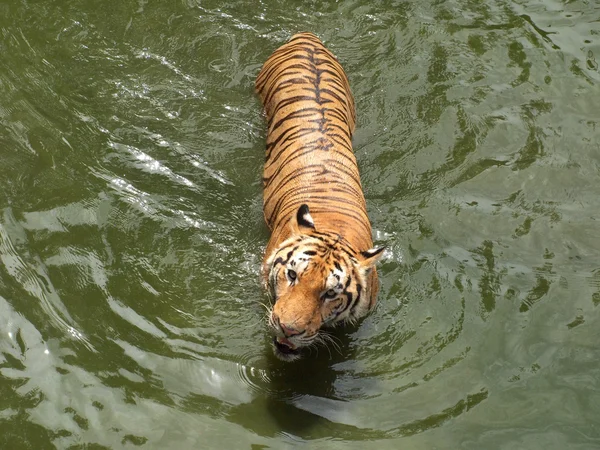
(289, 331)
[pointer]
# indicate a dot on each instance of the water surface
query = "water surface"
(131, 230)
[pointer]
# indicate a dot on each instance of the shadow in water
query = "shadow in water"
(313, 376)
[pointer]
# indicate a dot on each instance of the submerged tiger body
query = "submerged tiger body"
(319, 262)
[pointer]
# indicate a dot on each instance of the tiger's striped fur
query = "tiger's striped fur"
(319, 262)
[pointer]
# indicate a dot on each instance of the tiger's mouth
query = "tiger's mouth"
(284, 349)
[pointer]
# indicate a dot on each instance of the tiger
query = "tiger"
(319, 263)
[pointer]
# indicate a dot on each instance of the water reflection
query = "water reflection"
(298, 397)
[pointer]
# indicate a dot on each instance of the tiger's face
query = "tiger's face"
(316, 280)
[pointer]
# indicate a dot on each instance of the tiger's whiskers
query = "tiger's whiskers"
(326, 338)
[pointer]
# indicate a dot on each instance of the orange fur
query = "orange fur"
(309, 161)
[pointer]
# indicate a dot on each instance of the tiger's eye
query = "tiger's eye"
(291, 274)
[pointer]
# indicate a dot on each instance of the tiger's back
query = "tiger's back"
(319, 262)
(309, 157)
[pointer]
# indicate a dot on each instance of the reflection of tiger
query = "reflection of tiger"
(319, 263)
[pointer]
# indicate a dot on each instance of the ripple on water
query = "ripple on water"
(131, 230)
(256, 378)
(31, 274)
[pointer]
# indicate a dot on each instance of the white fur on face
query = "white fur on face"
(336, 280)
(298, 264)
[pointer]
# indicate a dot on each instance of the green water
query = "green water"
(131, 230)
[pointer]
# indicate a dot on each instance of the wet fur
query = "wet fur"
(313, 198)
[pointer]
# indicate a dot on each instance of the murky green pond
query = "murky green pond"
(131, 230)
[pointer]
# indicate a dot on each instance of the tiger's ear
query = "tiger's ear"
(370, 257)
(302, 222)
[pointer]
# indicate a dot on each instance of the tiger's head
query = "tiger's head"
(317, 279)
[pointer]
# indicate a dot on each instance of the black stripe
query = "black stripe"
(357, 299)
